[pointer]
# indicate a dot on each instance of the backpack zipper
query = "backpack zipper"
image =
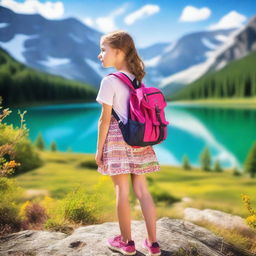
(152, 93)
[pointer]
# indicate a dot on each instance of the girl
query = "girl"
(114, 156)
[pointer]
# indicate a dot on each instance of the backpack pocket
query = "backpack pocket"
(133, 132)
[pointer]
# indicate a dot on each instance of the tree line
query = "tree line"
(206, 163)
(22, 85)
(237, 79)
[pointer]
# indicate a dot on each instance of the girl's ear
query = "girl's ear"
(119, 52)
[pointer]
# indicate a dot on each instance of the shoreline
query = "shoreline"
(247, 103)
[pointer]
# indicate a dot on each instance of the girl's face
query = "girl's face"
(108, 56)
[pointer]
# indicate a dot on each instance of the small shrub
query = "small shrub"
(17, 154)
(90, 164)
(39, 142)
(163, 196)
(190, 251)
(9, 219)
(236, 172)
(9, 213)
(205, 159)
(186, 163)
(79, 207)
(53, 146)
(217, 167)
(33, 215)
(53, 225)
(250, 162)
(250, 220)
(150, 180)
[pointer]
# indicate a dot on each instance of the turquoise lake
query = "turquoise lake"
(228, 133)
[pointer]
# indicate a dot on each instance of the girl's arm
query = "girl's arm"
(103, 125)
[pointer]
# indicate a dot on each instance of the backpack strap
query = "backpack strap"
(116, 116)
(123, 77)
(132, 84)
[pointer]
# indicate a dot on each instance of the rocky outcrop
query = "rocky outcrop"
(218, 218)
(176, 237)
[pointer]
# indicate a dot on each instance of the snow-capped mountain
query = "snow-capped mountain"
(151, 53)
(185, 53)
(241, 42)
(64, 47)
(69, 48)
(236, 45)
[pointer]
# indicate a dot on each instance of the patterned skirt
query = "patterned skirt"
(120, 158)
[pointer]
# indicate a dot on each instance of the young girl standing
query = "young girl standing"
(114, 156)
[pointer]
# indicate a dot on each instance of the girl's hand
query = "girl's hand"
(98, 157)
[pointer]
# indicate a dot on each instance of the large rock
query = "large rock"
(218, 218)
(176, 237)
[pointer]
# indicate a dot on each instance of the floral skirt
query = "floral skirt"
(120, 158)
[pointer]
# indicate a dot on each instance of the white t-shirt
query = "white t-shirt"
(116, 94)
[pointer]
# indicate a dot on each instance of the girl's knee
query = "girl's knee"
(140, 187)
(122, 191)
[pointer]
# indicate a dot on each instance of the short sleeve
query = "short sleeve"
(106, 91)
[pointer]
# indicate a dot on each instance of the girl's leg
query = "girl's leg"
(121, 183)
(140, 188)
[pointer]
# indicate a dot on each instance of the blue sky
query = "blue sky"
(148, 22)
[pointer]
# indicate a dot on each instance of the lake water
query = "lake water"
(228, 133)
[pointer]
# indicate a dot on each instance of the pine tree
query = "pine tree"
(236, 172)
(39, 142)
(217, 166)
(185, 163)
(250, 163)
(53, 146)
(205, 159)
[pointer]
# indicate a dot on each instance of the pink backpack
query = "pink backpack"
(146, 123)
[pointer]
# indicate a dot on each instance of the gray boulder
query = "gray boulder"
(218, 218)
(176, 237)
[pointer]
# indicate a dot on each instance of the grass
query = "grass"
(249, 103)
(63, 172)
(234, 236)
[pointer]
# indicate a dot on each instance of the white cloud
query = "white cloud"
(88, 21)
(48, 9)
(191, 14)
(106, 23)
(231, 20)
(143, 12)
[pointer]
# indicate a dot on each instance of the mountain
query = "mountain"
(151, 53)
(65, 47)
(241, 43)
(236, 79)
(188, 51)
(69, 48)
(21, 85)
(238, 43)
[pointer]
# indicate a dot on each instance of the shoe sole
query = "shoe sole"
(150, 253)
(120, 250)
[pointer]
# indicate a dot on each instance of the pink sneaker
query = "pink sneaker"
(117, 244)
(153, 249)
